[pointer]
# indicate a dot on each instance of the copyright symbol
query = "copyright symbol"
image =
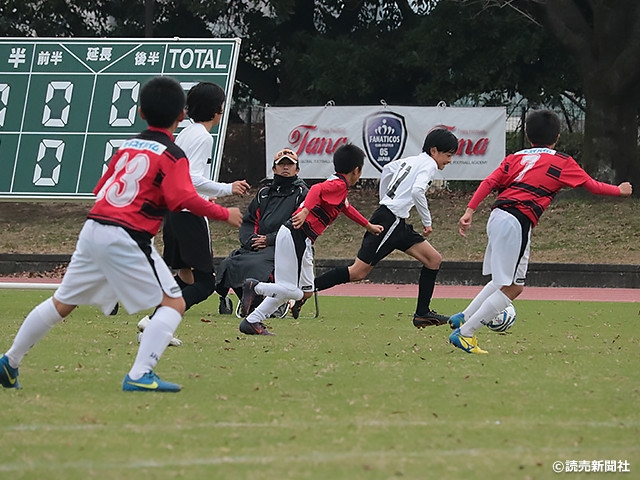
(558, 467)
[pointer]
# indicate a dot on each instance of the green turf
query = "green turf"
(356, 393)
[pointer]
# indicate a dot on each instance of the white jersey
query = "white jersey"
(404, 184)
(197, 144)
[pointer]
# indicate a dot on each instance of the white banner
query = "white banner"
(385, 133)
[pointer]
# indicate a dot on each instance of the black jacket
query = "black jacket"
(272, 206)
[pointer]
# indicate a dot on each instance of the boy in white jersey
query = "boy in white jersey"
(186, 236)
(403, 185)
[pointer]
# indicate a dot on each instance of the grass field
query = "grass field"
(357, 393)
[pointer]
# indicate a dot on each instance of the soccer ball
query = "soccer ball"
(504, 320)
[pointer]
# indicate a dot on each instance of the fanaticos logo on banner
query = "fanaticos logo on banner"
(384, 135)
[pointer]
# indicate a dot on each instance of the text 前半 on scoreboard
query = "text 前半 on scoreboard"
(66, 105)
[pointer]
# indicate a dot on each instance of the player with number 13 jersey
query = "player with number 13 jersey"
(148, 177)
(114, 261)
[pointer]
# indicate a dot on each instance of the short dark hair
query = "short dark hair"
(348, 157)
(204, 101)
(542, 127)
(161, 101)
(442, 139)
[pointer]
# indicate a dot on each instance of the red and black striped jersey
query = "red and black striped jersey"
(148, 176)
(325, 201)
(528, 181)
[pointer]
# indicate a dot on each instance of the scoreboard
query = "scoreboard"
(67, 104)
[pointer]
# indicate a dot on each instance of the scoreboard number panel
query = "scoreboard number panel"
(66, 105)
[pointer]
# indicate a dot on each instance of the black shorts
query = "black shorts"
(186, 242)
(397, 235)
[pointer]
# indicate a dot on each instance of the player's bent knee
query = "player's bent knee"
(512, 291)
(356, 276)
(293, 294)
(177, 303)
(433, 261)
(63, 309)
(359, 272)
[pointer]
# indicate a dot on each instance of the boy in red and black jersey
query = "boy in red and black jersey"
(527, 181)
(115, 259)
(148, 177)
(324, 202)
(293, 276)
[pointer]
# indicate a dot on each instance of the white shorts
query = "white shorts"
(293, 262)
(109, 266)
(506, 258)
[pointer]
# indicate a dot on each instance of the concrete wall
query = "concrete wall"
(470, 273)
(408, 271)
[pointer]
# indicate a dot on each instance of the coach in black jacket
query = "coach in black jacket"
(271, 207)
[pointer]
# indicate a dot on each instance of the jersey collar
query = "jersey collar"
(342, 177)
(163, 130)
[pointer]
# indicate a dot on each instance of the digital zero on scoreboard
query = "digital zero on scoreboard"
(66, 105)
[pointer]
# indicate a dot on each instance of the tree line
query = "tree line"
(581, 53)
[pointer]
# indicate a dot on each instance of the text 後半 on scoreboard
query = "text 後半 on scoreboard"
(66, 105)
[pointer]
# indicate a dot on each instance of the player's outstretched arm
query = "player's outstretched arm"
(602, 188)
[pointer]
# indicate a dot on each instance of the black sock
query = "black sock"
(425, 290)
(332, 277)
(201, 289)
(222, 291)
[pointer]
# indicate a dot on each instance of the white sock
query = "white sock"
(264, 310)
(155, 340)
(37, 324)
(479, 299)
(275, 295)
(279, 291)
(491, 307)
